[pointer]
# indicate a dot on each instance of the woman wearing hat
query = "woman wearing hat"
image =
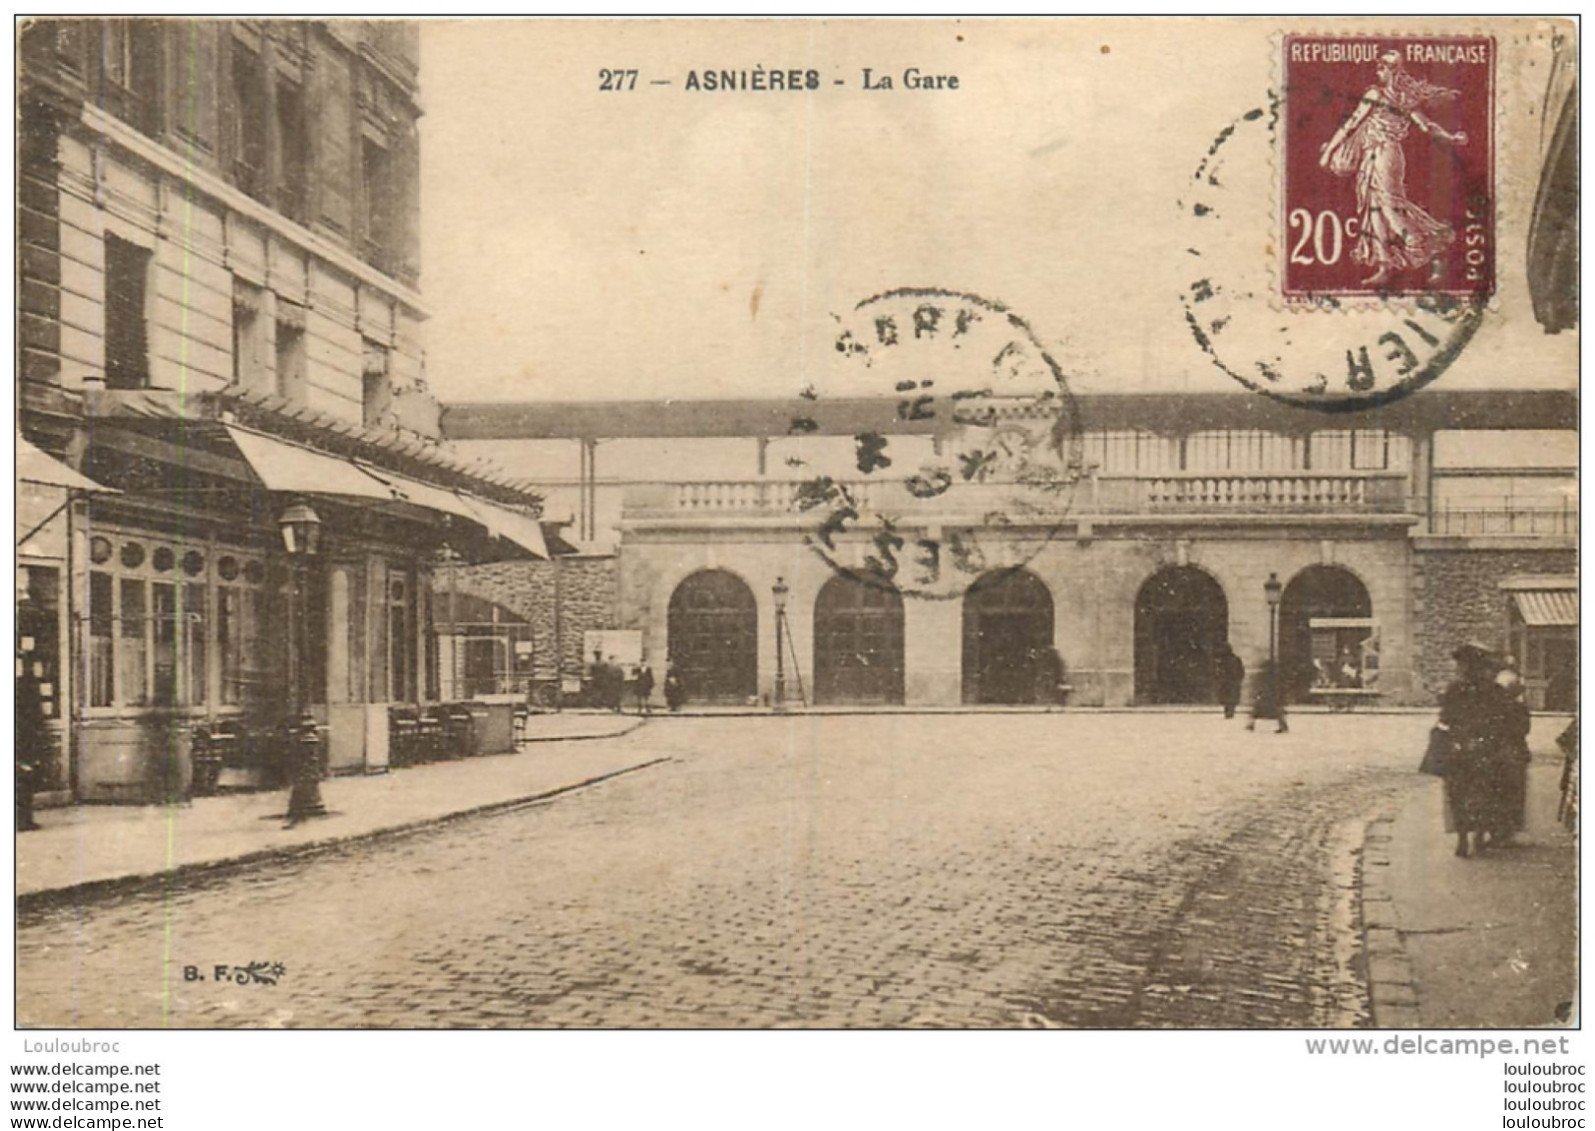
(1473, 709)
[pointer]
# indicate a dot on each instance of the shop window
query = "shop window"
(156, 618)
(102, 623)
(127, 268)
(38, 633)
(193, 627)
(132, 667)
(401, 674)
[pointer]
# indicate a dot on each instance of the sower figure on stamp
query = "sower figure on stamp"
(1228, 675)
(1394, 234)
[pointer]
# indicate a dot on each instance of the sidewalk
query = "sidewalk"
(86, 849)
(1486, 942)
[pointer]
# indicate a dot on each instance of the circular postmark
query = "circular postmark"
(972, 468)
(1330, 351)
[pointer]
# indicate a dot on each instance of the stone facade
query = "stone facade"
(1458, 595)
(1092, 576)
(587, 594)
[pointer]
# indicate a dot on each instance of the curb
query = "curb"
(38, 902)
(637, 724)
(1392, 993)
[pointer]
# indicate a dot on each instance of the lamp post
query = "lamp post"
(779, 591)
(1272, 590)
(1275, 699)
(301, 538)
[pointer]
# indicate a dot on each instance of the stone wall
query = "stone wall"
(588, 600)
(1458, 597)
(1093, 582)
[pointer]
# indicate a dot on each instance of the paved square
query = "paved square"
(876, 870)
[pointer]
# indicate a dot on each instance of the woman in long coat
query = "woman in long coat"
(1473, 710)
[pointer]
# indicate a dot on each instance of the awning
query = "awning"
(301, 471)
(35, 465)
(295, 470)
(1547, 607)
(406, 490)
(501, 522)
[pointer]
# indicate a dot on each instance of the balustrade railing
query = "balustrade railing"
(1185, 492)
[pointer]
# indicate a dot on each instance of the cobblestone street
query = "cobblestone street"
(1125, 870)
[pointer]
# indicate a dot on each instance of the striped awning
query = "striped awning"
(1547, 607)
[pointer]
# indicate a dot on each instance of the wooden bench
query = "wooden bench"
(1345, 698)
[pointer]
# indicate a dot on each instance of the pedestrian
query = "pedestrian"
(1268, 701)
(598, 680)
(1230, 674)
(32, 742)
(617, 687)
(1474, 712)
(1052, 675)
(1510, 779)
(675, 692)
(645, 689)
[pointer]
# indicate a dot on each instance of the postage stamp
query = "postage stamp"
(1387, 166)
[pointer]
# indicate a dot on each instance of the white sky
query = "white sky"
(581, 244)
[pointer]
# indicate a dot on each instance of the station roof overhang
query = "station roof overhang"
(1426, 410)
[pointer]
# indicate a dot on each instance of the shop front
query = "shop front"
(254, 580)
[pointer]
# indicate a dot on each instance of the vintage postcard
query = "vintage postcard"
(804, 523)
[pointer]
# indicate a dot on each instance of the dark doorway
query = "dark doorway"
(713, 631)
(858, 642)
(1007, 638)
(1181, 623)
(1317, 591)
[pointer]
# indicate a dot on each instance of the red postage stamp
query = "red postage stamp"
(1388, 167)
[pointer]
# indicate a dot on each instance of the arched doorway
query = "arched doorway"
(1007, 635)
(1315, 592)
(858, 642)
(1181, 623)
(713, 633)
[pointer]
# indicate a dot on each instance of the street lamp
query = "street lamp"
(1274, 699)
(301, 538)
(1272, 588)
(779, 591)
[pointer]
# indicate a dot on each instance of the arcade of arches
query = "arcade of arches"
(1181, 623)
